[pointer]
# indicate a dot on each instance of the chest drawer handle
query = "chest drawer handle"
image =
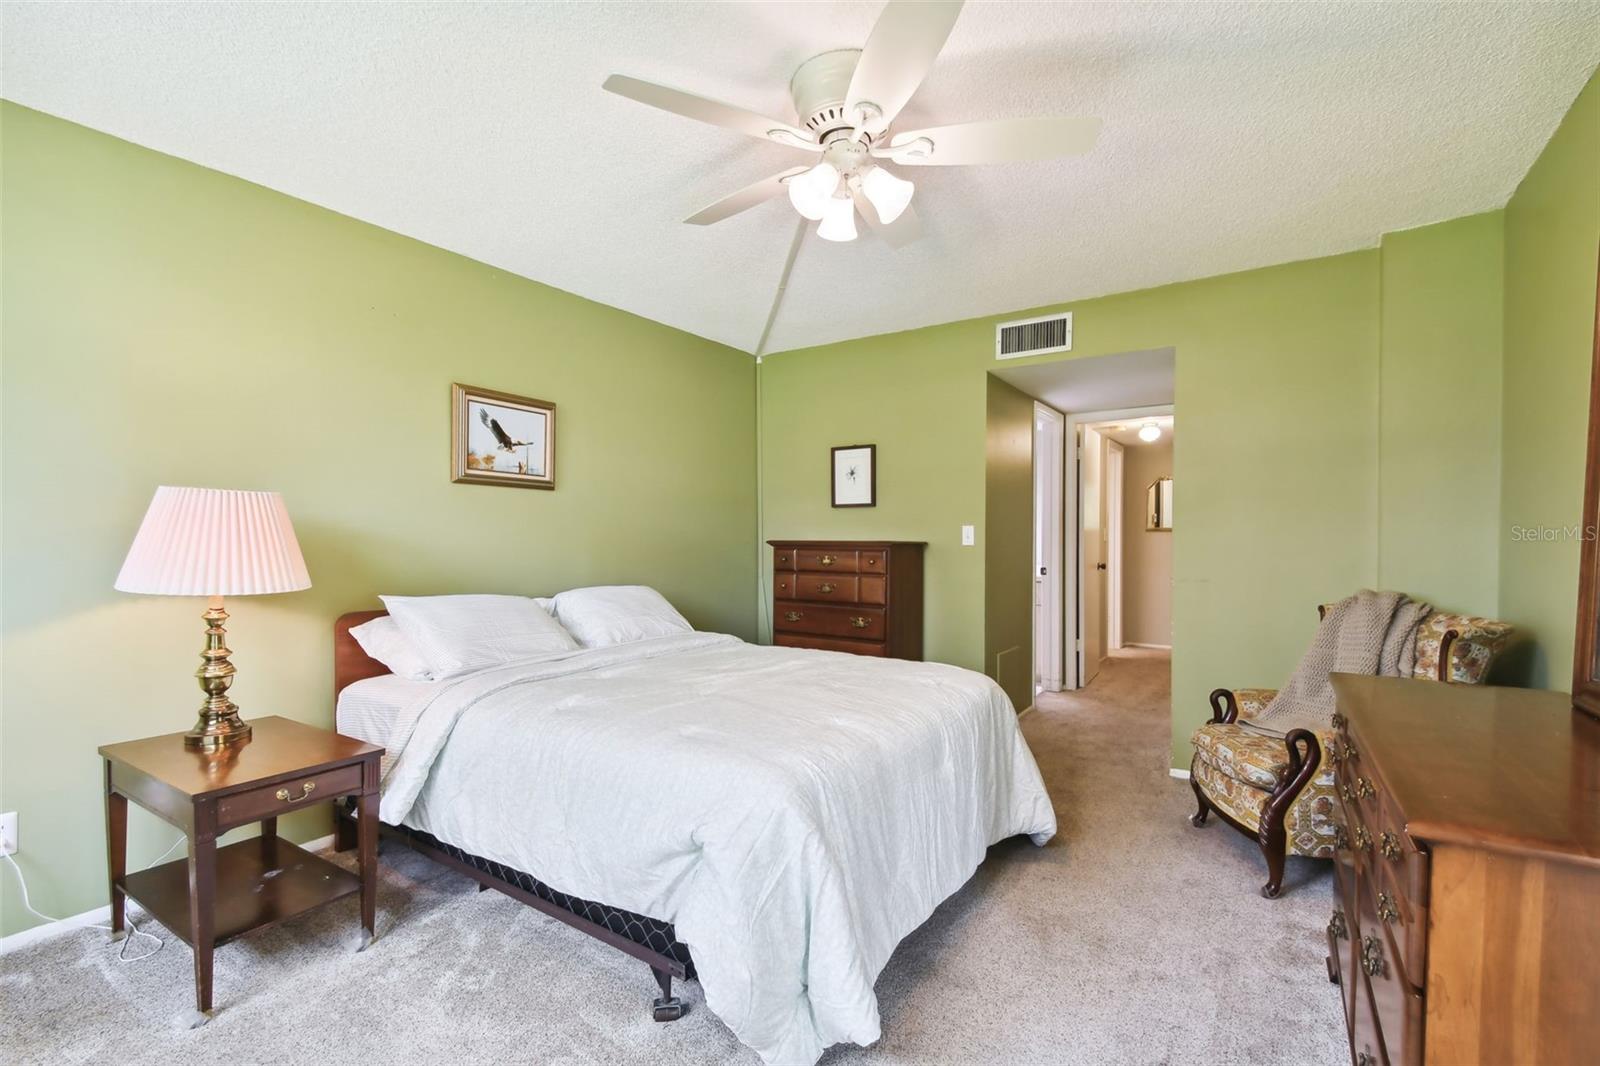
(1390, 846)
(1363, 839)
(1386, 909)
(1365, 1058)
(1372, 956)
(826, 560)
(305, 790)
(859, 623)
(1335, 753)
(1336, 927)
(824, 588)
(792, 616)
(1345, 794)
(1364, 788)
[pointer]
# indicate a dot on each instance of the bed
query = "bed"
(769, 821)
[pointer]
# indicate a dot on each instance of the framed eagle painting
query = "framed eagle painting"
(497, 438)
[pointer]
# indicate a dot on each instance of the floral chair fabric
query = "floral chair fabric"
(1238, 772)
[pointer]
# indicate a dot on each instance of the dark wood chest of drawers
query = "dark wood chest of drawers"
(1467, 927)
(861, 596)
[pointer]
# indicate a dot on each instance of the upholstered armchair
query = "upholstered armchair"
(1281, 792)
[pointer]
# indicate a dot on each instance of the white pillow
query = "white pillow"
(382, 639)
(618, 614)
(459, 633)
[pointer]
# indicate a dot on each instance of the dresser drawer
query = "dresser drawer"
(1396, 1006)
(827, 560)
(854, 647)
(873, 589)
(783, 584)
(285, 796)
(836, 588)
(783, 558)
(859, 623)
(874, 561)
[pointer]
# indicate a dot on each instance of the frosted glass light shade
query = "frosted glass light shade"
(888, 194)
(214, 542)
(811, 191)
(1149, 432)
(838, 220)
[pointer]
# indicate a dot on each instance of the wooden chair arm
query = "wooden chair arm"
(1224, 707)
(1302, 767)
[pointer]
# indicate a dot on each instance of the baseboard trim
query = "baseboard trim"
(1178, 772)
(1029, 709)
(1153, 647)
(98, 916)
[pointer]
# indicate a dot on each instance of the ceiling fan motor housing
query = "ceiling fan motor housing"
(819, 89)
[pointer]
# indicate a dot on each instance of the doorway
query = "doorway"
(1106, 455)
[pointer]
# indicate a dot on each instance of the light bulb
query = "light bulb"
(1149, 432)
(838, 220)
(889, 194)
(810, 192)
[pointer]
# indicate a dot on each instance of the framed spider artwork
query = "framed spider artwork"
(497, 438)
(855, 475)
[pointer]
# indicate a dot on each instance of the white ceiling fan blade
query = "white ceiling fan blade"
(749, 196)
(897, 56)
(897, 234)
(1001, 140)
(715, 112)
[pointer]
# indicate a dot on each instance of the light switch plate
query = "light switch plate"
(969, 535)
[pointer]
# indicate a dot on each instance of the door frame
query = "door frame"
(1049, 520)
(1073, 598)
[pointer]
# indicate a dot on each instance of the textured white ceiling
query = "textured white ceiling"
(1236, 135)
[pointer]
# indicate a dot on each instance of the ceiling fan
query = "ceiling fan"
(846, 102)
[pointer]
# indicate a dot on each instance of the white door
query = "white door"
(1091, 523)
(1113, 560)
(1048, 439)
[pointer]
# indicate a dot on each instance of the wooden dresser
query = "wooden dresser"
(862, 596)
(1467, 928)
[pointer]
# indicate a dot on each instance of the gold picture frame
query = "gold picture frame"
(500, 438)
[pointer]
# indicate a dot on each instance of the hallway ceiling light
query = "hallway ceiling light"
(1149, 432)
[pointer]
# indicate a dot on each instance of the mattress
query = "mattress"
(367, 709)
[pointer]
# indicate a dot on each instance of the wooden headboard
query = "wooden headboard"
(350, 663)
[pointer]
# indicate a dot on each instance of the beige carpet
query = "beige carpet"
(1131, 938)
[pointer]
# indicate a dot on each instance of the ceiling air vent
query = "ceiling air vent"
(1033, 336)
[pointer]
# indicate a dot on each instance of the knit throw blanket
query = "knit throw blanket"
(1368, 633)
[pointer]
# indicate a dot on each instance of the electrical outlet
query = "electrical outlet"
(969, 535)
(8, 833)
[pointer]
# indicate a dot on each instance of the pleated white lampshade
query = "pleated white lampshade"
(214, 542)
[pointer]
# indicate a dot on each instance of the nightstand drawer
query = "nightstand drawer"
(285, 796)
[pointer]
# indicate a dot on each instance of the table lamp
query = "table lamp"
(214, 543)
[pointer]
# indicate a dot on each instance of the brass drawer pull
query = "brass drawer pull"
(792, 616)
(1364, 788)
(1366, 1058)
(305, 790)
(1336, 927)
(1372, 956)
(1335, 753)
(859, 623)
(1389, 844)
(824, 588)
(826, 560)
(1346, 795)
(783, 558)
(1363, 838)
(1386, 908)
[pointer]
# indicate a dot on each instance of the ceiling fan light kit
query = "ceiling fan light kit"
(846, 102)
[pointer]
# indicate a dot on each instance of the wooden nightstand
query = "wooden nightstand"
(217, 894)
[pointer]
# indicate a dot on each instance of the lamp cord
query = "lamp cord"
(122, 955)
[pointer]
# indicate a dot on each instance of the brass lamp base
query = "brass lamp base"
(220, 725)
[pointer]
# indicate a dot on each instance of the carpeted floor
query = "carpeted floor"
(1131, 938)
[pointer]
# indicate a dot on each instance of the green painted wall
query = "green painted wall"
(1339, 418)
(1008, 544)
(163, 323)
(1552, 233)
(1439, 404)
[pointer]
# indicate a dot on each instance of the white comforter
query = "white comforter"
(793, 813)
